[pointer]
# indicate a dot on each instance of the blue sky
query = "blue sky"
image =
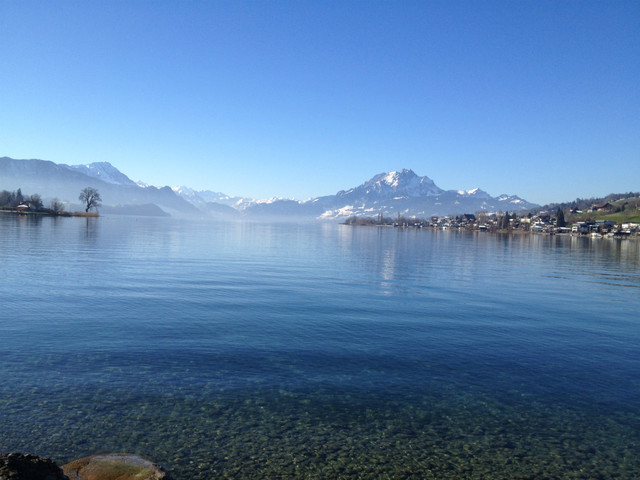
(301, 99)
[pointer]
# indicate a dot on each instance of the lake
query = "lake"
(247, 350)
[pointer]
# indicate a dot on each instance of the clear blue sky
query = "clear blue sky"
(302, 99)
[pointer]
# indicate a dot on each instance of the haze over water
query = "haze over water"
(242, 350)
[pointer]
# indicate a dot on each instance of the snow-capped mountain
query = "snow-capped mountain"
(103, 171)
(119, 193)
(202, 197)
(403, 184)
(512, 200)
(388, 193)
(398, 192)
(475, 192)
(189, 194)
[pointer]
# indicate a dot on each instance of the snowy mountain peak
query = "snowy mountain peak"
(476, 192)
(514, 199)
(203, 197)
(184, 191)
(103, 171)
(392, 179)
(404, 183)
(268, 201)
(405, 176)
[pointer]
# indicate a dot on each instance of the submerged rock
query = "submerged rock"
(16, 466)
(118, 466)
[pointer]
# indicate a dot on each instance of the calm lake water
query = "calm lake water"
(243, 350)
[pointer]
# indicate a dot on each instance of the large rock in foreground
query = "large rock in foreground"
(119, 466)
(16, 466)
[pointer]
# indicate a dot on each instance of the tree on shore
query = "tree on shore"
(6, 198)
(56, 206)
(35, 201)
(90, 197)
(560, 222)
(504, 221)
(13, 199)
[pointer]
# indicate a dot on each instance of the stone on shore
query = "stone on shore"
(16, 466)
(119, 466)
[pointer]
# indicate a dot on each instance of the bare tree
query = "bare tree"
(90, 197)
(56, 206)
(36, 201)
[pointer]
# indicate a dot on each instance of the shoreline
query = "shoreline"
(629, 236)
(51, 214)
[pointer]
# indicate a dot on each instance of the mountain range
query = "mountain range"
(398, 192)
(65, 182)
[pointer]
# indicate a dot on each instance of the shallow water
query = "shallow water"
(241, 350)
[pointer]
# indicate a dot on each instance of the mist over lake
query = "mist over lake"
(283, 350)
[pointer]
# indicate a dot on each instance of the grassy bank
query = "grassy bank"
(627, 216)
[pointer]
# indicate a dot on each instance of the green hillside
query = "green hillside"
(622, 208)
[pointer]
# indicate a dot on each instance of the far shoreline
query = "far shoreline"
(513, 231)
(49, 213)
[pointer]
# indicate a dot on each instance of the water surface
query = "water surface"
(241, 350)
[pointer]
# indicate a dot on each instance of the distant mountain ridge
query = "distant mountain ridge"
(203, 197)
(404, 183)
(391, 193)
(403, 192)
(64, 182)
(103, 171)
(388, 193)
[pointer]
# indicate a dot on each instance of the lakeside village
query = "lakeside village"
(604, 219)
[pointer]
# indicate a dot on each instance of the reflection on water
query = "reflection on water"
(246, 350)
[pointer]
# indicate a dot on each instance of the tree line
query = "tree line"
(11, 200)
(585, 203)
